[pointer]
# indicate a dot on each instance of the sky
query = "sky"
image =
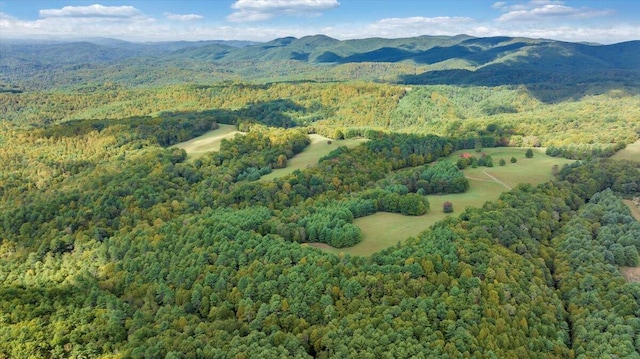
(601, 21)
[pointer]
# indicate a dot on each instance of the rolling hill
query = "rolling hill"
(115, 243)
(458, 60)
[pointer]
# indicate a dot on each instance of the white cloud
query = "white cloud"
(186, 17)
(80, 21)
(499, 5)
(416, 26)
(260, 10)
(603, 34)
(92, 11)
(131, 24)
(539, 10)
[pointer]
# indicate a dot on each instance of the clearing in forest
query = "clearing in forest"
(382, 230)
(535, 170)
(208, 142)
(310, 156)
(631, 152)
(635, 210)
(631, 274)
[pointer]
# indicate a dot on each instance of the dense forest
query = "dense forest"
(114, 243)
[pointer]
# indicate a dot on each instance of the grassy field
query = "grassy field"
(208, 142)
(382, 230)
(527, 170)
(318, 148)
(635, 211)
(631, 274)
(631, 152)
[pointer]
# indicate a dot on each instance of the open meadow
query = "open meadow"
(635, 211)
(310, 156)
(382, 230)
(208, 142)
(631, 152)
(535, 170)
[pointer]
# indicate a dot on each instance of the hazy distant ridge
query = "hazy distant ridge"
(458, 59)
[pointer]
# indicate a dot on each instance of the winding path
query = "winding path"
(495, 179)
(492, 179)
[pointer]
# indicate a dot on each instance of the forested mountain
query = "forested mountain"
(115, 243)
(420, 60)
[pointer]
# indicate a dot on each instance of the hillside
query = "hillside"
(317, 198)
(458, 60)
(115, 246)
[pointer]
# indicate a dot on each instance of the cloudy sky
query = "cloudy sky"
(600, 21)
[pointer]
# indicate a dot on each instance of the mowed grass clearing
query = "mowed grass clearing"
(382, 230)
(209, 142)
(310, 156)
(631, 152)
(535, 170)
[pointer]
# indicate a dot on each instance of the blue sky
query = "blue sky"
(602, 21)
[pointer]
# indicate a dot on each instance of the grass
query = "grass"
(533, 170)
(635, 211)
(631, 152)
(382, 230)
(631, 274)
(208, 142)
(310, 156)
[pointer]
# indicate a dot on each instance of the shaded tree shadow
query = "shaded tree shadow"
(172, 127)
(546, 86)
(552, 72)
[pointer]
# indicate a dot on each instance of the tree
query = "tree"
(447, 207)
(502, 162)
(514, 160)
(282, 161)
(478, 146)
(488, 161)
(529, 153)
(338, 135)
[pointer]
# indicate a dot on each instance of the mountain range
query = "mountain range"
(462, 59)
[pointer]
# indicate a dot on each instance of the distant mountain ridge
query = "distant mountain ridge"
(460, 59)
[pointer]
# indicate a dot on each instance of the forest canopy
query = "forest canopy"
(114, 243)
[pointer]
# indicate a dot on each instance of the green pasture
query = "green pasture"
(310, 156)
(382, 230)
(631, 152)
(208, 142)
(535, 170)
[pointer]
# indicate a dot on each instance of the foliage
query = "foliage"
(441, 177)
(114, 245)
(528, 153)
(590, 248)
(466, 160)
(584, 151)
(143, 253)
